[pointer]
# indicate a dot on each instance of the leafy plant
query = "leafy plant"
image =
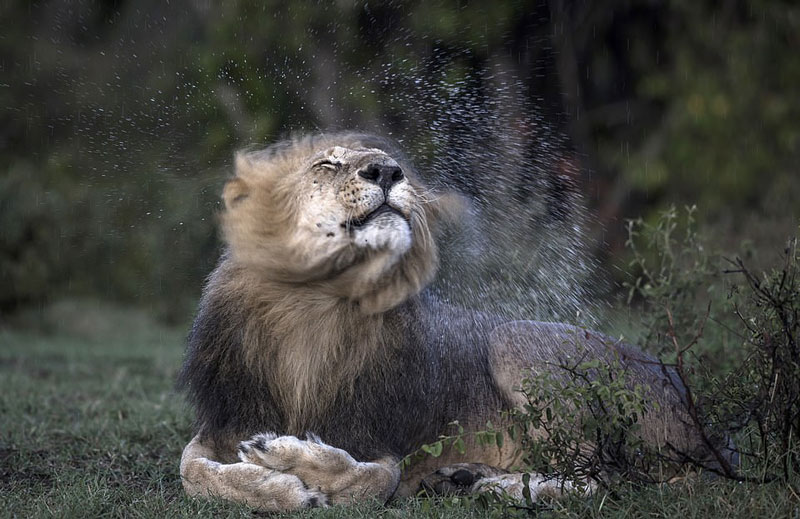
(731, 334)
(456, 441)
(580, 420)
(731, 338)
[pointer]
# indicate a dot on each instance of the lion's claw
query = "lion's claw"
(285, 453)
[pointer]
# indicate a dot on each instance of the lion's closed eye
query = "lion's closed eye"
(327, 164)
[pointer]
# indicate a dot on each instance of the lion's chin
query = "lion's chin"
(388, 232)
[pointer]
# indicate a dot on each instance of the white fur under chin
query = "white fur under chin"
(389, 236)
(388, 232)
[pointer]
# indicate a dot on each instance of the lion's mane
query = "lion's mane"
(294, 350)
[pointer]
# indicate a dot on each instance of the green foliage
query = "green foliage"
(733, 340)
(488, 437)
(725, 82)
(673, 272)
(765, 389)
(581, 423)
(28, 260)
(118, 133)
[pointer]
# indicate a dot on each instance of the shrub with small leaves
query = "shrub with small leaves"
(581, 423)
(732, 335)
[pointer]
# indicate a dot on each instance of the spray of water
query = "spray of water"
(523, 251)
(136, 109)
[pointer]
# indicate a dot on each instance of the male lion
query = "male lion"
(316, 322)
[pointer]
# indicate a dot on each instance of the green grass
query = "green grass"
(90, 426)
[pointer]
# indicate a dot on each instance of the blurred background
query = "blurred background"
(119, 120)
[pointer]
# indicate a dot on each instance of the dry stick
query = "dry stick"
(727, 470)
(778, 305)
(690, 404)
(776, 299)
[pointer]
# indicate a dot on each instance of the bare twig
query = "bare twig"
(691, 407)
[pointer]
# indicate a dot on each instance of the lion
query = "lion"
(319, 358)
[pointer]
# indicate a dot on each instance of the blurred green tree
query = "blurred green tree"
(120, 117)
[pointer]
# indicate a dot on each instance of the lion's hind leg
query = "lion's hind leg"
(477, 478)
(255, 485)
(333, 471)
(458, 478)
(513, 486)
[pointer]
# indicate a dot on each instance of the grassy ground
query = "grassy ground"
(90, 426)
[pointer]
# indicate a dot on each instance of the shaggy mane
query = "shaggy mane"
(303, 337)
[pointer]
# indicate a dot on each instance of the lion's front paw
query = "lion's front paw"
(291, 454)
(269, 450)
(331, 471)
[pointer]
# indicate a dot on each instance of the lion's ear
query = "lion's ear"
(237, 189)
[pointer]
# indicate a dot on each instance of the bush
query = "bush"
(731, 337)
(731, 334)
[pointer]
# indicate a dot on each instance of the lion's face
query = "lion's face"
(357, 199)
(347, 217)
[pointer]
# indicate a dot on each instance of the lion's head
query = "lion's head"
(344, 212)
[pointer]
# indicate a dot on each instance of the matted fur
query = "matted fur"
(316, 320)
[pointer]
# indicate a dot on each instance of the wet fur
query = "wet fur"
(348, 344)
(371, 385)
(296, 351)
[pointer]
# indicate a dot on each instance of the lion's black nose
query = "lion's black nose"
(383, 175)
